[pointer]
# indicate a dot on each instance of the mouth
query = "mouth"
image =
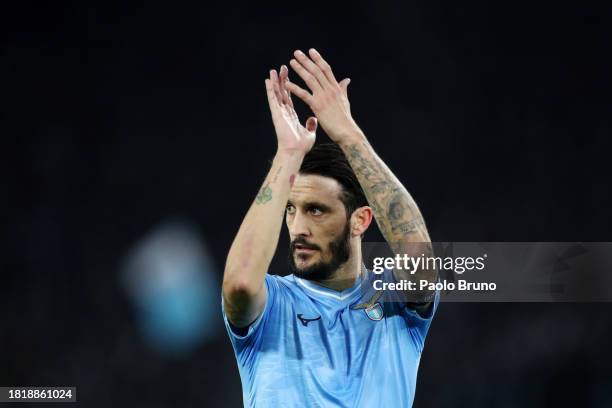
(303, 249)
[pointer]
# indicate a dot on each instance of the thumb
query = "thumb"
(344, 85)
(311, 124)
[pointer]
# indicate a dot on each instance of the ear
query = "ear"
(361, 220)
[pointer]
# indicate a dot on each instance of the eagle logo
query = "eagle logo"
(372, 308)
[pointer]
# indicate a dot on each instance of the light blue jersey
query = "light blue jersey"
(317, 347)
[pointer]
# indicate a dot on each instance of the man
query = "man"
(317, 338)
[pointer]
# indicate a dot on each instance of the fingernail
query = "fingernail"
(298, 52)
(315, 51)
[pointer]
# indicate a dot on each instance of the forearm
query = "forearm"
(396, 213)
(256, 241)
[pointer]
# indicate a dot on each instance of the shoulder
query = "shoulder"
(281, 285)
(284, 282)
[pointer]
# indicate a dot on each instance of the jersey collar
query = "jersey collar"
(341, 296)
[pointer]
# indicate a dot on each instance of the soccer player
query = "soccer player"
(316, 338)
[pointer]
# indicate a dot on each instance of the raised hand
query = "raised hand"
(327, 98)
(292, 136)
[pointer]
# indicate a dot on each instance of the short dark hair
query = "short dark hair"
(327, 159)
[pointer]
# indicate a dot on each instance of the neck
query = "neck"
(346, 275)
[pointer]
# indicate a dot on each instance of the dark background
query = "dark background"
(117, 116)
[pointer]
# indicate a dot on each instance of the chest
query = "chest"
(336, 336)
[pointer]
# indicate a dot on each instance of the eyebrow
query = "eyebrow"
(310, 204)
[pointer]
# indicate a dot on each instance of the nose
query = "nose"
(298, 225)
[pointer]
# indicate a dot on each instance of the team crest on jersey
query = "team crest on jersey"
(372, 308)
(375, 312)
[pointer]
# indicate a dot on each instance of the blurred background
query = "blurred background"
(136, 134)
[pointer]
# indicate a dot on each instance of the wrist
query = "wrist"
(351, 137)
(289, 156)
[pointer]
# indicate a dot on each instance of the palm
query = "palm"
(291, 135)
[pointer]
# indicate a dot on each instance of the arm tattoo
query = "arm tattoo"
(277, 173)
(264, 195)
(396, 213)
(410, 226)
(394, 209)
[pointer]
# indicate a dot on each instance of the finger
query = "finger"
(284, 76)
(276, 85)
(306, 76)
(323, 65)
(271, 97)
(344, 85)
(311, 124)
(311, 67)
(300, 93)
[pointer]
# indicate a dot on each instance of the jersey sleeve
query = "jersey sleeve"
(252, 338)
(417, 323)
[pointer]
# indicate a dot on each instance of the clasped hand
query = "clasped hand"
(327, 98)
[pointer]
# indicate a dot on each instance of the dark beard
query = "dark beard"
(340, 249)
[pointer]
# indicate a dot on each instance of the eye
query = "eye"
(290, 209)
(316, 211)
